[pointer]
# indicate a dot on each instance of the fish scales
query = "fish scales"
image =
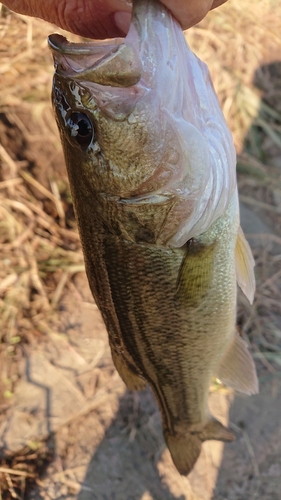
(151, 167)
(167, 343)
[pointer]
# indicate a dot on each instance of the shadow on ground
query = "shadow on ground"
(125, 463)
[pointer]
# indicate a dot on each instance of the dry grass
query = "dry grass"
(235, 41)
(39, 244)
(40, 249)
(19, 472)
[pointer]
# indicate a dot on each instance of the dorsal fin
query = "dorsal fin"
(237, 368)
(245, 266)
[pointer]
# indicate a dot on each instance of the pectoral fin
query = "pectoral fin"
(195, 274)
(237, 368)
(245, 266)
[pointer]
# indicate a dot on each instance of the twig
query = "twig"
(10, 182)
(259, 355)
(28, 178)
(6, 470)
(59, 289)
(9, 160)
(11, 487)
(248, 446)
(57, 200)
(270, 280)
(265, 236)
(260, 204)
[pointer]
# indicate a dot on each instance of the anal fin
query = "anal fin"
(237, 368)
(245, 266)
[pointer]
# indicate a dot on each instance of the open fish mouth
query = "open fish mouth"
(112, 63)
(119, 62)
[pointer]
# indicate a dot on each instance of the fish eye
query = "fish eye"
(81, 128)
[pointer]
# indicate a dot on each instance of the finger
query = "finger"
(190, 12)
(105, 18)
(217, 3)
(88, 18)
(94, 18)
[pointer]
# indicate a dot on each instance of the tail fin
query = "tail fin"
(185, 448)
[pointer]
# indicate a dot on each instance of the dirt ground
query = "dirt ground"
(69, 429)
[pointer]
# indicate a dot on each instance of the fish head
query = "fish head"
(108, 109)
(132, 122)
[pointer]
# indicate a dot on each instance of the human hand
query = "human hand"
(105, 18)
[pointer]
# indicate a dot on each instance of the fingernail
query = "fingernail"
(122, 21)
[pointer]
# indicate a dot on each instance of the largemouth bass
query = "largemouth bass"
(151, 166)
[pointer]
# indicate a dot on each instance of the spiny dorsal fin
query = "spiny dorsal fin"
(237, 368)
(245, 266)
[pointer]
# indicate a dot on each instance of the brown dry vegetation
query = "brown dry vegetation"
(39, 245)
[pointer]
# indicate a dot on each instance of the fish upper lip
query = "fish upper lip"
(72, 59)
(60, 45)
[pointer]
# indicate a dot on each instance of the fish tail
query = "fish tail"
(185, 448)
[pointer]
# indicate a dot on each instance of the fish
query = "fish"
(152, 171)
